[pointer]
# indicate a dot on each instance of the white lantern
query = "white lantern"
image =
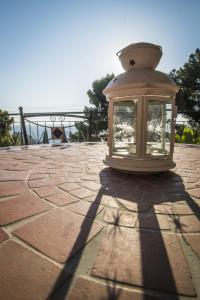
(141, 112)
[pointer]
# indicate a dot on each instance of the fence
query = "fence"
(49, 127)
(30, 130)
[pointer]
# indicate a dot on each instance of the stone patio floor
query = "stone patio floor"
(72, 228)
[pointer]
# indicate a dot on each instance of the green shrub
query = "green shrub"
(188, 136)
(177, 138)
(5, 140)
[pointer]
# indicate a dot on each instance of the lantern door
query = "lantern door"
(125, 126)
(158, 132)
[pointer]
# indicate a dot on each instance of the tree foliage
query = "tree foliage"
(5, 127)
(188, 97)
(98, 107)
(5, 122)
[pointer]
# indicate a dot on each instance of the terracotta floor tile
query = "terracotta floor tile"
(195, 192)
(12, 188)
(21, 167)
(58, 234)
(21, 207)
(88, 289)
(37, 183)
(62, 199)
(187, 223)
(3, 235)
(119, 218)
(91, 185)
(162, 209)
(103, 199)
(149, 259)
(90, 177)
(182, 209)
(72, 180)
(55, 180)
(82, 193)
(85, 208)
(12, 175)
(155, 198)
(24, 274)
(46, 191)
(194, 241)
(69, 186)
(153, 221)
(37, 176)
(134, 206)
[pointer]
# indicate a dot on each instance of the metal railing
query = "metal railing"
(36, 128)
(30, 130)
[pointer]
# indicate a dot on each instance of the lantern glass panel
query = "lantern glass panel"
(159, 120)
(124, 127)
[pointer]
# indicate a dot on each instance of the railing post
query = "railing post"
(90, 126)
(23, 125)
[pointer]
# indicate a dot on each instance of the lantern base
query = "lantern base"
(140, 165)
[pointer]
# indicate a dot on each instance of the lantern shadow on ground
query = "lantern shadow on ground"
(135, 189)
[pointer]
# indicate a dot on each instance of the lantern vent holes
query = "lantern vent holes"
(132, 62)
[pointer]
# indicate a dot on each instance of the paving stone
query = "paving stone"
(147, 187)
(21, 167)
(187, 223)
(194, 241)
(82, 193)
(128, 193)
(155, 198)
(190, 179)
(55, 180)
(62, 199)
(148, 259)
(135, 206)
(59, 234)
(182, 209)
(21, 207)
(47, 191)
(153, 221)
(91, 185)
(3, 235)
(90, 177)
(72, 180)
(175, 197)
(109, 201)
(37, 176)
(85, 208)
(103, 199)
(68, 186)
(75, 175)
(26, 275)
(197, 202)
(60, 174)
(12, 188)
(195, 192)
(88, 289)
(45, 182)
(189, 186)
(119, 218)
(12, 175)
(37, 183)
(162, 209)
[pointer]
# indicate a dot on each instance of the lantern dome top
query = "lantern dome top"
(140, 56)
(140, 77)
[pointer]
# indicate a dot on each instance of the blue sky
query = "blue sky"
(52, 50)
